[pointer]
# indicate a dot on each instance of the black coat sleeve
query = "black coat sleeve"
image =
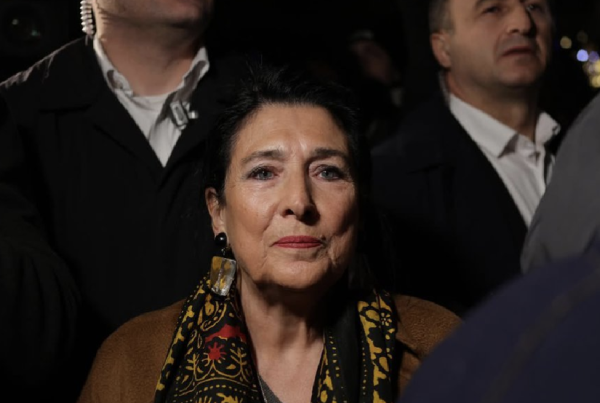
(38, 296)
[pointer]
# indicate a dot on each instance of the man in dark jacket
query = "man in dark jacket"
(463, 175)
(99, 143)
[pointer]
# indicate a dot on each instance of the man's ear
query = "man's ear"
(441, 48)
(215, 209)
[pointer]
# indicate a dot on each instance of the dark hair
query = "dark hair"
(439, 17)
(268, 84)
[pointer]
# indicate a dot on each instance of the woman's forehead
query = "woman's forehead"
(289, 128)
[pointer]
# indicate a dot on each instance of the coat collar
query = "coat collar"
(73, 72)
(427, 138)
(433, 136)
(73, 80)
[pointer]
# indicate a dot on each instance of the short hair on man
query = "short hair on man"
(439, 18)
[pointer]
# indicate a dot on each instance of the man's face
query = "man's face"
(176, 13)
(497, 44)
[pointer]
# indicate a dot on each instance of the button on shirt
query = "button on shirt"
(524, 166)
(152, 113)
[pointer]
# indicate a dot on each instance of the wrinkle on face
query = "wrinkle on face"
(300, 147)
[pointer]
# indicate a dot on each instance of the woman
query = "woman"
(289, 312)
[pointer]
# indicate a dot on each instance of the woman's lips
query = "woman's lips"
(298, 242)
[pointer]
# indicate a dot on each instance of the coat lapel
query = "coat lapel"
(208, 100)
(112, 119)
(87, 89)
(484, 179)
(468, 177)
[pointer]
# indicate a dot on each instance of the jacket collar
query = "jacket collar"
(73, 72)
(430, 137)
(434, 136)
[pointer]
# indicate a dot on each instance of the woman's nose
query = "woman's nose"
(298, 199)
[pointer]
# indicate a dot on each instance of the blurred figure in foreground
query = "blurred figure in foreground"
(568, 216)
(537, 340)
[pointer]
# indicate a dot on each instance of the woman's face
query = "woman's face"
(291, 204)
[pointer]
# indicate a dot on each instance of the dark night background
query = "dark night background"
(316, 32)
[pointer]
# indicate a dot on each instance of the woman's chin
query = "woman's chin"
(310, 284)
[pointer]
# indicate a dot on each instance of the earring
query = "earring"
(87, 17)
(223, 269)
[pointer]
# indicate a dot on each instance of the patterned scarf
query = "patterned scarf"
(210, 357)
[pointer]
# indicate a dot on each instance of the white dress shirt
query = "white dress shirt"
(153, 113)
(524, 166)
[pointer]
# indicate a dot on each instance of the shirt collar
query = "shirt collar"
(494, 136)
(545, 129)
(116, 81)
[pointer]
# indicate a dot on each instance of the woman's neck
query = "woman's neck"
(285, 320)
(286, 330)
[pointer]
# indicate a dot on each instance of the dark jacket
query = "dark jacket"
(91, 225)
(536, 340)
(458, 233)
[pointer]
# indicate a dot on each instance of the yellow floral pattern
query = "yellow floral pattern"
(210, 357)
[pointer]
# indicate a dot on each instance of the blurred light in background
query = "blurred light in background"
(590, 58)
(583, 55)
(566, 42)
(582, 37)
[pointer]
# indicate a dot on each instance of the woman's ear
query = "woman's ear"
(215, 209)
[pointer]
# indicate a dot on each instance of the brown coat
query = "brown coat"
(129, 362)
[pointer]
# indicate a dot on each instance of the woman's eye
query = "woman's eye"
(330, 173)
(261, 174)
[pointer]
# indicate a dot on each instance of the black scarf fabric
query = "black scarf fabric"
(210, 359)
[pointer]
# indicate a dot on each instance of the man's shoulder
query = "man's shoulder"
(67, 77)
(421, 127)
(426, 138)
(39, 72)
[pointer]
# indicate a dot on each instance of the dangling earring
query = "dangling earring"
(87, 18)
(222, 271)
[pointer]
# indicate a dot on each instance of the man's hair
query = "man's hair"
(439, 16)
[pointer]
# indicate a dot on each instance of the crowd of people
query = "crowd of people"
(186, 223)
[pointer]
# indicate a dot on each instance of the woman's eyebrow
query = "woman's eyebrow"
(322, 153)
(275, 154)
